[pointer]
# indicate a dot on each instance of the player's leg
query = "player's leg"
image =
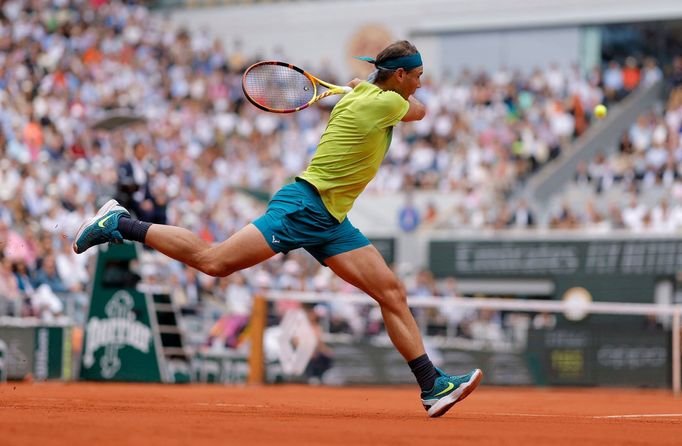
(365, 268)
(112, 223)
(243, 249)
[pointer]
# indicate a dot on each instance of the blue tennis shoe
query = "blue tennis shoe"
(449, 390)
(101, 228)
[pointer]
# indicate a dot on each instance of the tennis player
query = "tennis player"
(311, 214)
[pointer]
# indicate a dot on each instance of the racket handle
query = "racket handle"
(346, 89)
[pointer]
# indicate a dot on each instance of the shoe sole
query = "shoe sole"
(109, 205)
(445, 403)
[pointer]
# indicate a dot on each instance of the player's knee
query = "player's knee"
(393, 295)
(214, 267)
(216, 270)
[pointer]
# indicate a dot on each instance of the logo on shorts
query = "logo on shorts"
(274, 240)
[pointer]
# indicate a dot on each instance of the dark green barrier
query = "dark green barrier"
(19, 351)
(38, 351)
(365, 363)
(53, 353)
(229, 367)
(577, 356)
(600, 356)
(223, 368)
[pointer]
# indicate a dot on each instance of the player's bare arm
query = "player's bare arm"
(416, 112)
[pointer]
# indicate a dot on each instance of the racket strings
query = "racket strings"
(277, 87)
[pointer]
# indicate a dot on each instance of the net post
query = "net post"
(676, 351)
(257, 355)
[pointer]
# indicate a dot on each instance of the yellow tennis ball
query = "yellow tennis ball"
(600, 111)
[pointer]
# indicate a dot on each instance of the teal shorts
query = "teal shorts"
(297, 218)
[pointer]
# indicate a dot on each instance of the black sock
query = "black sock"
(134, 230)
(424, 371)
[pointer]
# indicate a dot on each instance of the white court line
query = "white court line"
(506, 414)
(519, 414)
(229, 405)
(644, 415)
(602, 417)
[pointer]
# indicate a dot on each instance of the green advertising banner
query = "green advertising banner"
(119, 342)
(52, 353)
(612, 270)
(556, 258)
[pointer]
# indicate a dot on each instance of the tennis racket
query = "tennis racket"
(280, 87)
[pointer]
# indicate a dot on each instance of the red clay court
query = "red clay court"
(117, 414)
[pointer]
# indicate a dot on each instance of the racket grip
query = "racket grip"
(346, 89)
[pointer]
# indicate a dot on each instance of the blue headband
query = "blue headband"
(405, 62)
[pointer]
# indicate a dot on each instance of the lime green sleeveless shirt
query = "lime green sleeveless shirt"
(353, 145)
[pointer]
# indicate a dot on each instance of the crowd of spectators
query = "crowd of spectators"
(202, 156)
(637, 186)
